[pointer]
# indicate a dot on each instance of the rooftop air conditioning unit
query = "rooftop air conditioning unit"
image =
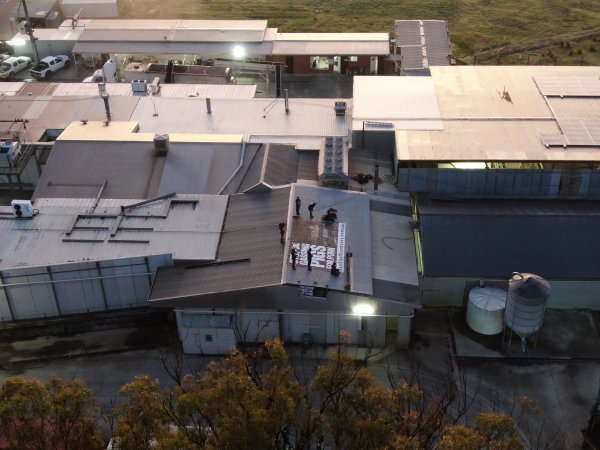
(161, 144)
(155, 85)
(340, 108)
(22, 209)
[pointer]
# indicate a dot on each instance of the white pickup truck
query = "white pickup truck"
(13, 65)
(48, 65)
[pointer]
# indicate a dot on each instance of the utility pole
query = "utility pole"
(29, 31)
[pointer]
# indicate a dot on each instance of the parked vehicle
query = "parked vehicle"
(48, 65)
(13, 65)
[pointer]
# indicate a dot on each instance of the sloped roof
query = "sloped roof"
(273, 165)
(250, 252)
(422, 43)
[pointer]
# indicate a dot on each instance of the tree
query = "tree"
(55, 415)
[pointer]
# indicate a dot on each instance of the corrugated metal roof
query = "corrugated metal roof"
(281, 165)
(258, 116)
(496, 238)
(372, 44)
(569, 86)
(250, 237)
(76, 170)
(353, 212)
(188, 232)
(423, 43)
(408, 32)
(411, 57)
(404, 102)
(166, 90)
(199, 168)
(437, 42)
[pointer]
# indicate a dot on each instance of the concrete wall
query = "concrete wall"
(564, 294)
(36, 292)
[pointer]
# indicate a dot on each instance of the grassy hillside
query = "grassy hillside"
(477, 27)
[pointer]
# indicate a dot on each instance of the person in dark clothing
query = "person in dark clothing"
(334, 270)
(294, 256)
(298, 203)
(310, 208)
(282, 231)
(309, 257)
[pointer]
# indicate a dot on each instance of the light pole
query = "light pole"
(29, 31)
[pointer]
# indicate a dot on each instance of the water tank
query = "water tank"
(526, 303)
(485, 310)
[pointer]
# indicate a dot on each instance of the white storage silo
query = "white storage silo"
(485, 310)
(526, 304)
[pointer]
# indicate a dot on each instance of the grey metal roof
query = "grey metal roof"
(78, 169)
(250, 254)
(199, 168)
(188, 231)
(423, 43)
(555, 239)
(331, 240)
(273, 165)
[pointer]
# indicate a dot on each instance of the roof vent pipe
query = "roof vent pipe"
(104, 96)
(287, 101)
(208, 106)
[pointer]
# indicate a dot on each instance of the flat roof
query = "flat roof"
(186, 226)
(400, 102)
(498, 113)
(372, 44)
(249, 117)
(166, 90)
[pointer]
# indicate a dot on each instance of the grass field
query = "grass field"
(478, 28)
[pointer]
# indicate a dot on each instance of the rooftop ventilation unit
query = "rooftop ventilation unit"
(161, 144)
(139, 86)
(22, 209)
(340, 108)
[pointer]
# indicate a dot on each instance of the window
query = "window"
(353, 58)
(208, 337)
(319, 62)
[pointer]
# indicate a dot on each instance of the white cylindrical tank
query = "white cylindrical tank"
(485, 310)
(526, 303)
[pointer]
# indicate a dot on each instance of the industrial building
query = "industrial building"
(250, 47)
(502, 165)
(114, 195)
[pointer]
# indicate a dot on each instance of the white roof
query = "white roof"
(371, 44)
(189, 232)
(166, 90)
(407, 103)
(500, 113)
(257, 116)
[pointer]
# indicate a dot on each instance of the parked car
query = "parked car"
(48, 65)
(13, 65)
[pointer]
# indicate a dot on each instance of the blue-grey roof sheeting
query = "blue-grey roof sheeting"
(411, 57)
(423, 43)
(555, 239)
(77, 170)
(250, 252)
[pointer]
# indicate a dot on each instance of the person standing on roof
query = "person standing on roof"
(311, 207)
(298, 203)
(309, 257)
(294, 255)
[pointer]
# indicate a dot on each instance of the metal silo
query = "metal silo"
(485, 310)
(525, 306)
